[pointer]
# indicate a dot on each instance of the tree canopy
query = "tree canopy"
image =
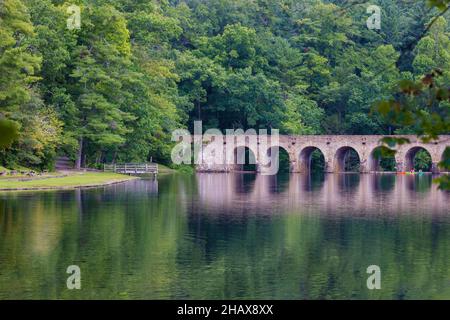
(114, 89)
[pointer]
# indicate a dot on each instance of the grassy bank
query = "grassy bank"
(74, 180)
(162, 169)
(184, 169)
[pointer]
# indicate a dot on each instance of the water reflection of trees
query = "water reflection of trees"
(384, 182)
(200, 238)
(311, 257)
(125, 237)
(334, 194)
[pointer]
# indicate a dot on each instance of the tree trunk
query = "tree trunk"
(79, 155)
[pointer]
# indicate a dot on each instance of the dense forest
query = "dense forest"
(115, 88)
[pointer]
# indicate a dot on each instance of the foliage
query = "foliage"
(9, 131)
(116, 88)
(18, 65)
(422, 161)
(423, 104)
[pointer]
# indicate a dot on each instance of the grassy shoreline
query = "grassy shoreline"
(68, 180)
(71, 181)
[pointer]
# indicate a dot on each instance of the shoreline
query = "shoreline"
(77, 180)
(67, 187)
(70, 180)
(84, 180)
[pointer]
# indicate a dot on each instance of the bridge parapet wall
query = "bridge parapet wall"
(333, 148)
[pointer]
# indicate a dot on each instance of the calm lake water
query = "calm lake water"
(230, 236)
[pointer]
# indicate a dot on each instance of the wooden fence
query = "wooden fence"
(132, 168)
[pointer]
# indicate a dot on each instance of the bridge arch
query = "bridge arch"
(342, 159)
(378, 161)
(410, 157)
(244, 159)
(249, 142)
(282, 156)
(306, 157)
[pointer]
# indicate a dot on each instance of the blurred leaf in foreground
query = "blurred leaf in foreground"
(9, 131)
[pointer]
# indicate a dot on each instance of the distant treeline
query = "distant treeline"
(137, 69)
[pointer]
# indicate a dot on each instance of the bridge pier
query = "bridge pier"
(435, 159)
(435, 167)
(328, 166)
(400, 166)
(363, 166)
(294, 166)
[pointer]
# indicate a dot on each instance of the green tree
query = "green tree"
(303, 116)
(18, 64)
(424, 104)
(36, 128)
(100, 62)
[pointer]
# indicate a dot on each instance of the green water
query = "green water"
(230, 236)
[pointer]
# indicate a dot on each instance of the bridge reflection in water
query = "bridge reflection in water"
(229, 236)
(329, 194)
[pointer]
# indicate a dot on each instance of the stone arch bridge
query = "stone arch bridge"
(333, 147)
